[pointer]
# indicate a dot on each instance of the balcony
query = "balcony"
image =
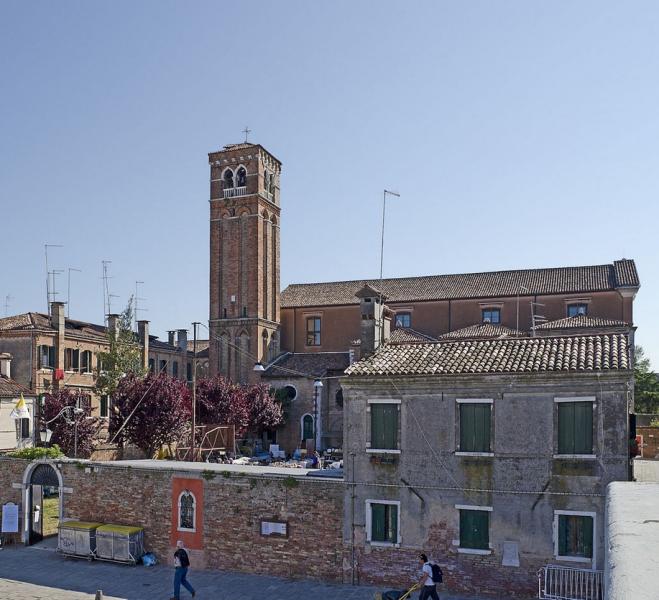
(567, 583)
(235, 191)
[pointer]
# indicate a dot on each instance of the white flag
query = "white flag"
(20, 411)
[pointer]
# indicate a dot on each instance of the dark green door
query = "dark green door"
(36, 514)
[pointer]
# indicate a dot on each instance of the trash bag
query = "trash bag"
(149, 559)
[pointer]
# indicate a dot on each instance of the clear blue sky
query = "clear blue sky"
(520, 134)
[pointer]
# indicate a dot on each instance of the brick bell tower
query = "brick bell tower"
(244, 260)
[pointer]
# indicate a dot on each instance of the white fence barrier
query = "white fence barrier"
(566, 583)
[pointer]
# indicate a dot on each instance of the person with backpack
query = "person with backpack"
(181, 564)
(431, 575)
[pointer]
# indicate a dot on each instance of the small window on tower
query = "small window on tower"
(241, 177)
(266, 181)
(228, 179)
(271, 189)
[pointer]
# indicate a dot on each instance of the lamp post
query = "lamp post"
(317, 386)
(46, 434)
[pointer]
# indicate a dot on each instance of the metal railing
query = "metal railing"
(235, 191)
(567, 583)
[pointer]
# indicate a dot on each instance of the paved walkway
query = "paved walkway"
(36, 573)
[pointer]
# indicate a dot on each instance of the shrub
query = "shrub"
(35, 453)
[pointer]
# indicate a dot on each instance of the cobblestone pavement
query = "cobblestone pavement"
(40, 574)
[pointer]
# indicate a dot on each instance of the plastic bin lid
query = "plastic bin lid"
(122, 529)
(79, 525)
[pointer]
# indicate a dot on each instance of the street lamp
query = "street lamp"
(46, 434)
(317, 386)
(258, 367)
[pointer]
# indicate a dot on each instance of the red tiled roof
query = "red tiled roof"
(480, 331)
(12, 389)
(407, 335)
(580, 322)
(584, 353)
(309, 364)
(493, 284)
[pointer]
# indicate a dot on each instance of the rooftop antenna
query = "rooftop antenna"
(106, 290)
(53, 291)
(536, 318)
(137, 300)
(384, 207)
(519, 289)
(8, 297)
(68, 291)
(45, 247)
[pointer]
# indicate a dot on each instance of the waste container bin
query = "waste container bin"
(77, 538)
(120, 543)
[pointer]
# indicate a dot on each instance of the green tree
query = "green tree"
(646, 384)
(123, 357)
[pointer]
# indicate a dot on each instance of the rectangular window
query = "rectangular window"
(175, 369)
(313, 331)
(86, 361)
(403, 319)
(577, 309)
(163, 366)
(384, 426)
(71, 359)
(491, 315)
(189, 371)
(47, 357)
(383, 522)
(475, 529)
(575, 535)
(104, 408)
(575, 428)
(475, 427)
(25, 429)
(152, 365)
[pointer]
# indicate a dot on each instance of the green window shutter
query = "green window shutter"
(475, 529)
(566, 428)
(51, 356)
(378, 520)
(392, 532)
(475, 427)
(384, 426)
(562, 535)
(587, 526)
(583, 427)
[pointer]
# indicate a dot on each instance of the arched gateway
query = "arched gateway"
(42, 501)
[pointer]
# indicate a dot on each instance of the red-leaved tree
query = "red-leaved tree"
(264, 411)
(222, 402)
(162, 411)
(72, 431)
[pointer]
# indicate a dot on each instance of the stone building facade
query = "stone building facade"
(492, 456)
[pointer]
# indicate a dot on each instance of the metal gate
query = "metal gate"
(567, 583)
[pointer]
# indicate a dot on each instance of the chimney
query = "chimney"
(183, 340)
(5, 365)
(375, 320)
(143, 336)
(171, 337)
(113, 325)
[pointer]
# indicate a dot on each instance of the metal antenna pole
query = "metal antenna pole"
(45, 247)
(137, 299)
(194, 386)
(68, 292)
(384, 208)
(8, 297)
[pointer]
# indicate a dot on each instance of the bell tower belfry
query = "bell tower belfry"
(244, 260)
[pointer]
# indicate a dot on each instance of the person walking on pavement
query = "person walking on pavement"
(426, 583)
(181, 564)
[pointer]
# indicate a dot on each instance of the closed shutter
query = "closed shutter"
(575, 428)
(474, 529)
(392, 533)
(384, 426)
(587, 525)
(562, 535)
(51, 356)
(25, 428)
(378, 522)
(475, 426)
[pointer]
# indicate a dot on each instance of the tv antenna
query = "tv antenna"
(106, 290)
(8, 297)
(49, 297)
(137, 300)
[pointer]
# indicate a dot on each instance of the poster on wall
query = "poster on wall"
(274, 528)
(10, 518)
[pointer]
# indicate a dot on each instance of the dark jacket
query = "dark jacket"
(182, 556)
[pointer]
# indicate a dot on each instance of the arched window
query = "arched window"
(307, 427)
(271, 188)
(228, 179)
(186, 511)
(264, 349)
(266, 181)
(241, 177)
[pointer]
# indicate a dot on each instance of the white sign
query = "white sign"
(273, 528)
(10, 518)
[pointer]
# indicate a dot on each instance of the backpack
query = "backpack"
(437, 575)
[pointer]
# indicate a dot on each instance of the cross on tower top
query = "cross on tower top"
(246, 131)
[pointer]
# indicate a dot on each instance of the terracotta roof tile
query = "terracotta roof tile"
(480, 331)
(468, 285)
(407, 335)
(509, 355)
(12, 389)
(580, 322)
(310, 364)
